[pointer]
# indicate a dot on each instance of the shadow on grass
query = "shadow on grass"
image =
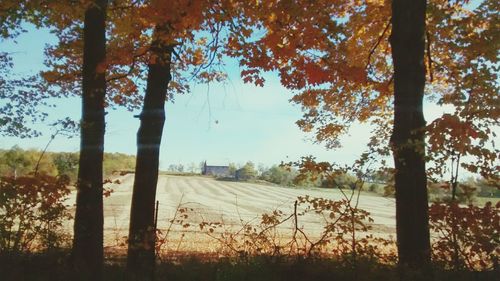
(55, 266)
(230, 179)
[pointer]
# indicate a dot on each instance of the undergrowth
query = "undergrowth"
(55, 266)
(275, 247)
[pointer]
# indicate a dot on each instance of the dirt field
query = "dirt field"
(232, 203)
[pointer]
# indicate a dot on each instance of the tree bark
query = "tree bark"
(88, 229)
(141, 244)
(407, 140)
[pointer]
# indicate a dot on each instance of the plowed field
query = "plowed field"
(232, 203)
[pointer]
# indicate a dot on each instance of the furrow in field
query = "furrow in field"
(270, 191)
(239, 189)
(246, 196)
(230, 202)
(209, 189)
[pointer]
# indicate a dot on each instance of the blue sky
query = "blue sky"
(243, 122)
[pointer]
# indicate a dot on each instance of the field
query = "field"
(189, 253)
(232, 203)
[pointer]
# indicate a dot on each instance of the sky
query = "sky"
(225, 123)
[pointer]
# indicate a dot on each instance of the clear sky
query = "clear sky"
(235, 122)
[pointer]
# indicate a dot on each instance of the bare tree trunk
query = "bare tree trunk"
(407, 140)
(88, 229)
(141, 244)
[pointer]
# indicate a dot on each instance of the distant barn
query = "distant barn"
(217, 171)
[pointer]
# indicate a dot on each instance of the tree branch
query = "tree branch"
(378, 42)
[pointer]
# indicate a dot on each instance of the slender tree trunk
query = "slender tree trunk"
(141, 244)
(408, 143)
(88, 228)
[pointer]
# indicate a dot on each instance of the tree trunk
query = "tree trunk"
(407, 140)
(141, 244)
(88, 229)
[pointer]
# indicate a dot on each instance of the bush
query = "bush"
(32, 213)
(345, 235)
(247, 172)
(466, 237)
(279, 175)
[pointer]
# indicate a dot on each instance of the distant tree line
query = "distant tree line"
(283, 175)
(380, 181)
(17, 162)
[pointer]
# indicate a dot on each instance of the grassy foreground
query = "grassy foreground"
(55, 266)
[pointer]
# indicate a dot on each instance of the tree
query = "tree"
(117, 162)
(142, 232)
(15, 160)
(21, 98)
(247, 172)
(279, 175)
(232, 169)
(341, 179)
(87, 244)
(130, 52)
(87, 251)
(173, 25)
(407, 140)
(346, 71)
(193, 168)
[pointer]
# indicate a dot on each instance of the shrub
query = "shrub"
(466, 237)
(32, 212)
(345, 234)
(247, 172)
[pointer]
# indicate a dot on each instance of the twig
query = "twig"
(296, 228)
(173, 219)
(379, 40)
(130, 70)
(43, 152)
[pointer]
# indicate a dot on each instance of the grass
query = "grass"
(481, 201)
(55, 266)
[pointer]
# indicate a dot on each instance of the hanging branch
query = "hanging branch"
(212, 50)
(131, 68)
(379, 40)
(68, 126)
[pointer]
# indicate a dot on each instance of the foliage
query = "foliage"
(18, 162)
(466, 77)
(486, 188)
(33, 213)
(22, 101)
(468, 191)
(247, 172)
(340, 63)
(466, 237)
(281, 175)
(341, 180)
(344, 236)
(115, 162)
(194, 32)
(342, 67)
(190, 268)
(162, 240)
(66, 164)
(23, 162)
(232, 169)
(13, 161)
(54, 267)
(179, 168)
